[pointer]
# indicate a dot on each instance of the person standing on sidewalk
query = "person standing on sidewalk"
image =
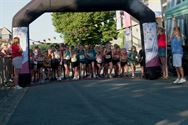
(177, 51)
(162, 52)
(16, 52)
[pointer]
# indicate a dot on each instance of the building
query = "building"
(5, 34)
(155, 5)
(132, 29)
(164, 6)
(129, 30)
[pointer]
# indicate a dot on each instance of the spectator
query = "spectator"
(177, 51)
(162, 52)
(16, 52)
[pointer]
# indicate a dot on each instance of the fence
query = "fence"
(6, 70)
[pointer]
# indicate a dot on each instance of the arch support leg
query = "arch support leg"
(23, 34)
(152, 65)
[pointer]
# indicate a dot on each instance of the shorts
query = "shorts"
(75, 64)
(89, 61)
(39, 64)
(142, 63)
(123, 64)
(82, 62)
(55, 63)
(17, 62)
(115, 62)
(66, 62)
(177, 60)
(162, 52)
(107, 60)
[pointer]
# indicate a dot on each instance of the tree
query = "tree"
(85, 27)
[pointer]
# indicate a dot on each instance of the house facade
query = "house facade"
(5, 34)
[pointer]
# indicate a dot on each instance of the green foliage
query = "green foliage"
(85, 27)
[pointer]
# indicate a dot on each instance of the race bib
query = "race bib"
(35, 62)
(73, 59)
(90, 54)
(57, 56)
(67, 57)
(82, 57)
(99, 60)
(108, 56)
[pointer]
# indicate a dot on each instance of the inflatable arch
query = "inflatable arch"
(137, 9)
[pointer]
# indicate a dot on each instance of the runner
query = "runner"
(66, 58)
(75, 64)
(132, 59)
(124, 62)
(108, 61)
(82, 61)
(116, 60)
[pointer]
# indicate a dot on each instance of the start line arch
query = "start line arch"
(137, 9)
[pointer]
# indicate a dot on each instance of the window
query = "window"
(172, 3)
(178, 1)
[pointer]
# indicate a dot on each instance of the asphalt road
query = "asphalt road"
(103, 102)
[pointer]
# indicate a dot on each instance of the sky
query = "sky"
(42, 28)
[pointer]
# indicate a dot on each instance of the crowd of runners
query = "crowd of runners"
(84, 61)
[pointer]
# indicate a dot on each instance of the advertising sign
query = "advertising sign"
(151, 44)
(22, 33)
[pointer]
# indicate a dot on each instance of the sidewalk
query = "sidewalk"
(9, 99)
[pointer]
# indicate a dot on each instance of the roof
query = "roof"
(5, 30)
(5, 34)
